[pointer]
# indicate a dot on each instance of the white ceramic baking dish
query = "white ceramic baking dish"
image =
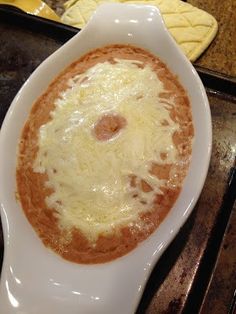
(35, 280)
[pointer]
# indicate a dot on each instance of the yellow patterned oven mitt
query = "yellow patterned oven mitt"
(192, 28)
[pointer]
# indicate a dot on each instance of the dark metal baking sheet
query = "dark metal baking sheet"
(183, 278)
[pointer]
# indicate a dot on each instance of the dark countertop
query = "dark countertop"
(221, 54)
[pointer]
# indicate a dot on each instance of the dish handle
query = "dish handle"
(110, 20)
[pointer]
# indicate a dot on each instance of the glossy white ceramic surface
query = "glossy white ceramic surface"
(35, 280)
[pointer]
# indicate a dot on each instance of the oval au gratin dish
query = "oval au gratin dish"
(106, 148)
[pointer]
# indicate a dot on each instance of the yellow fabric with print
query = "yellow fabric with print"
(192, 28)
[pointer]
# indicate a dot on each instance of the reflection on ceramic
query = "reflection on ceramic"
(36, 280)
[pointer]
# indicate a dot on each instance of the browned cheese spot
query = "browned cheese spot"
(108, 126)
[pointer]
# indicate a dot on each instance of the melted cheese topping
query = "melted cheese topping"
(91, 178)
